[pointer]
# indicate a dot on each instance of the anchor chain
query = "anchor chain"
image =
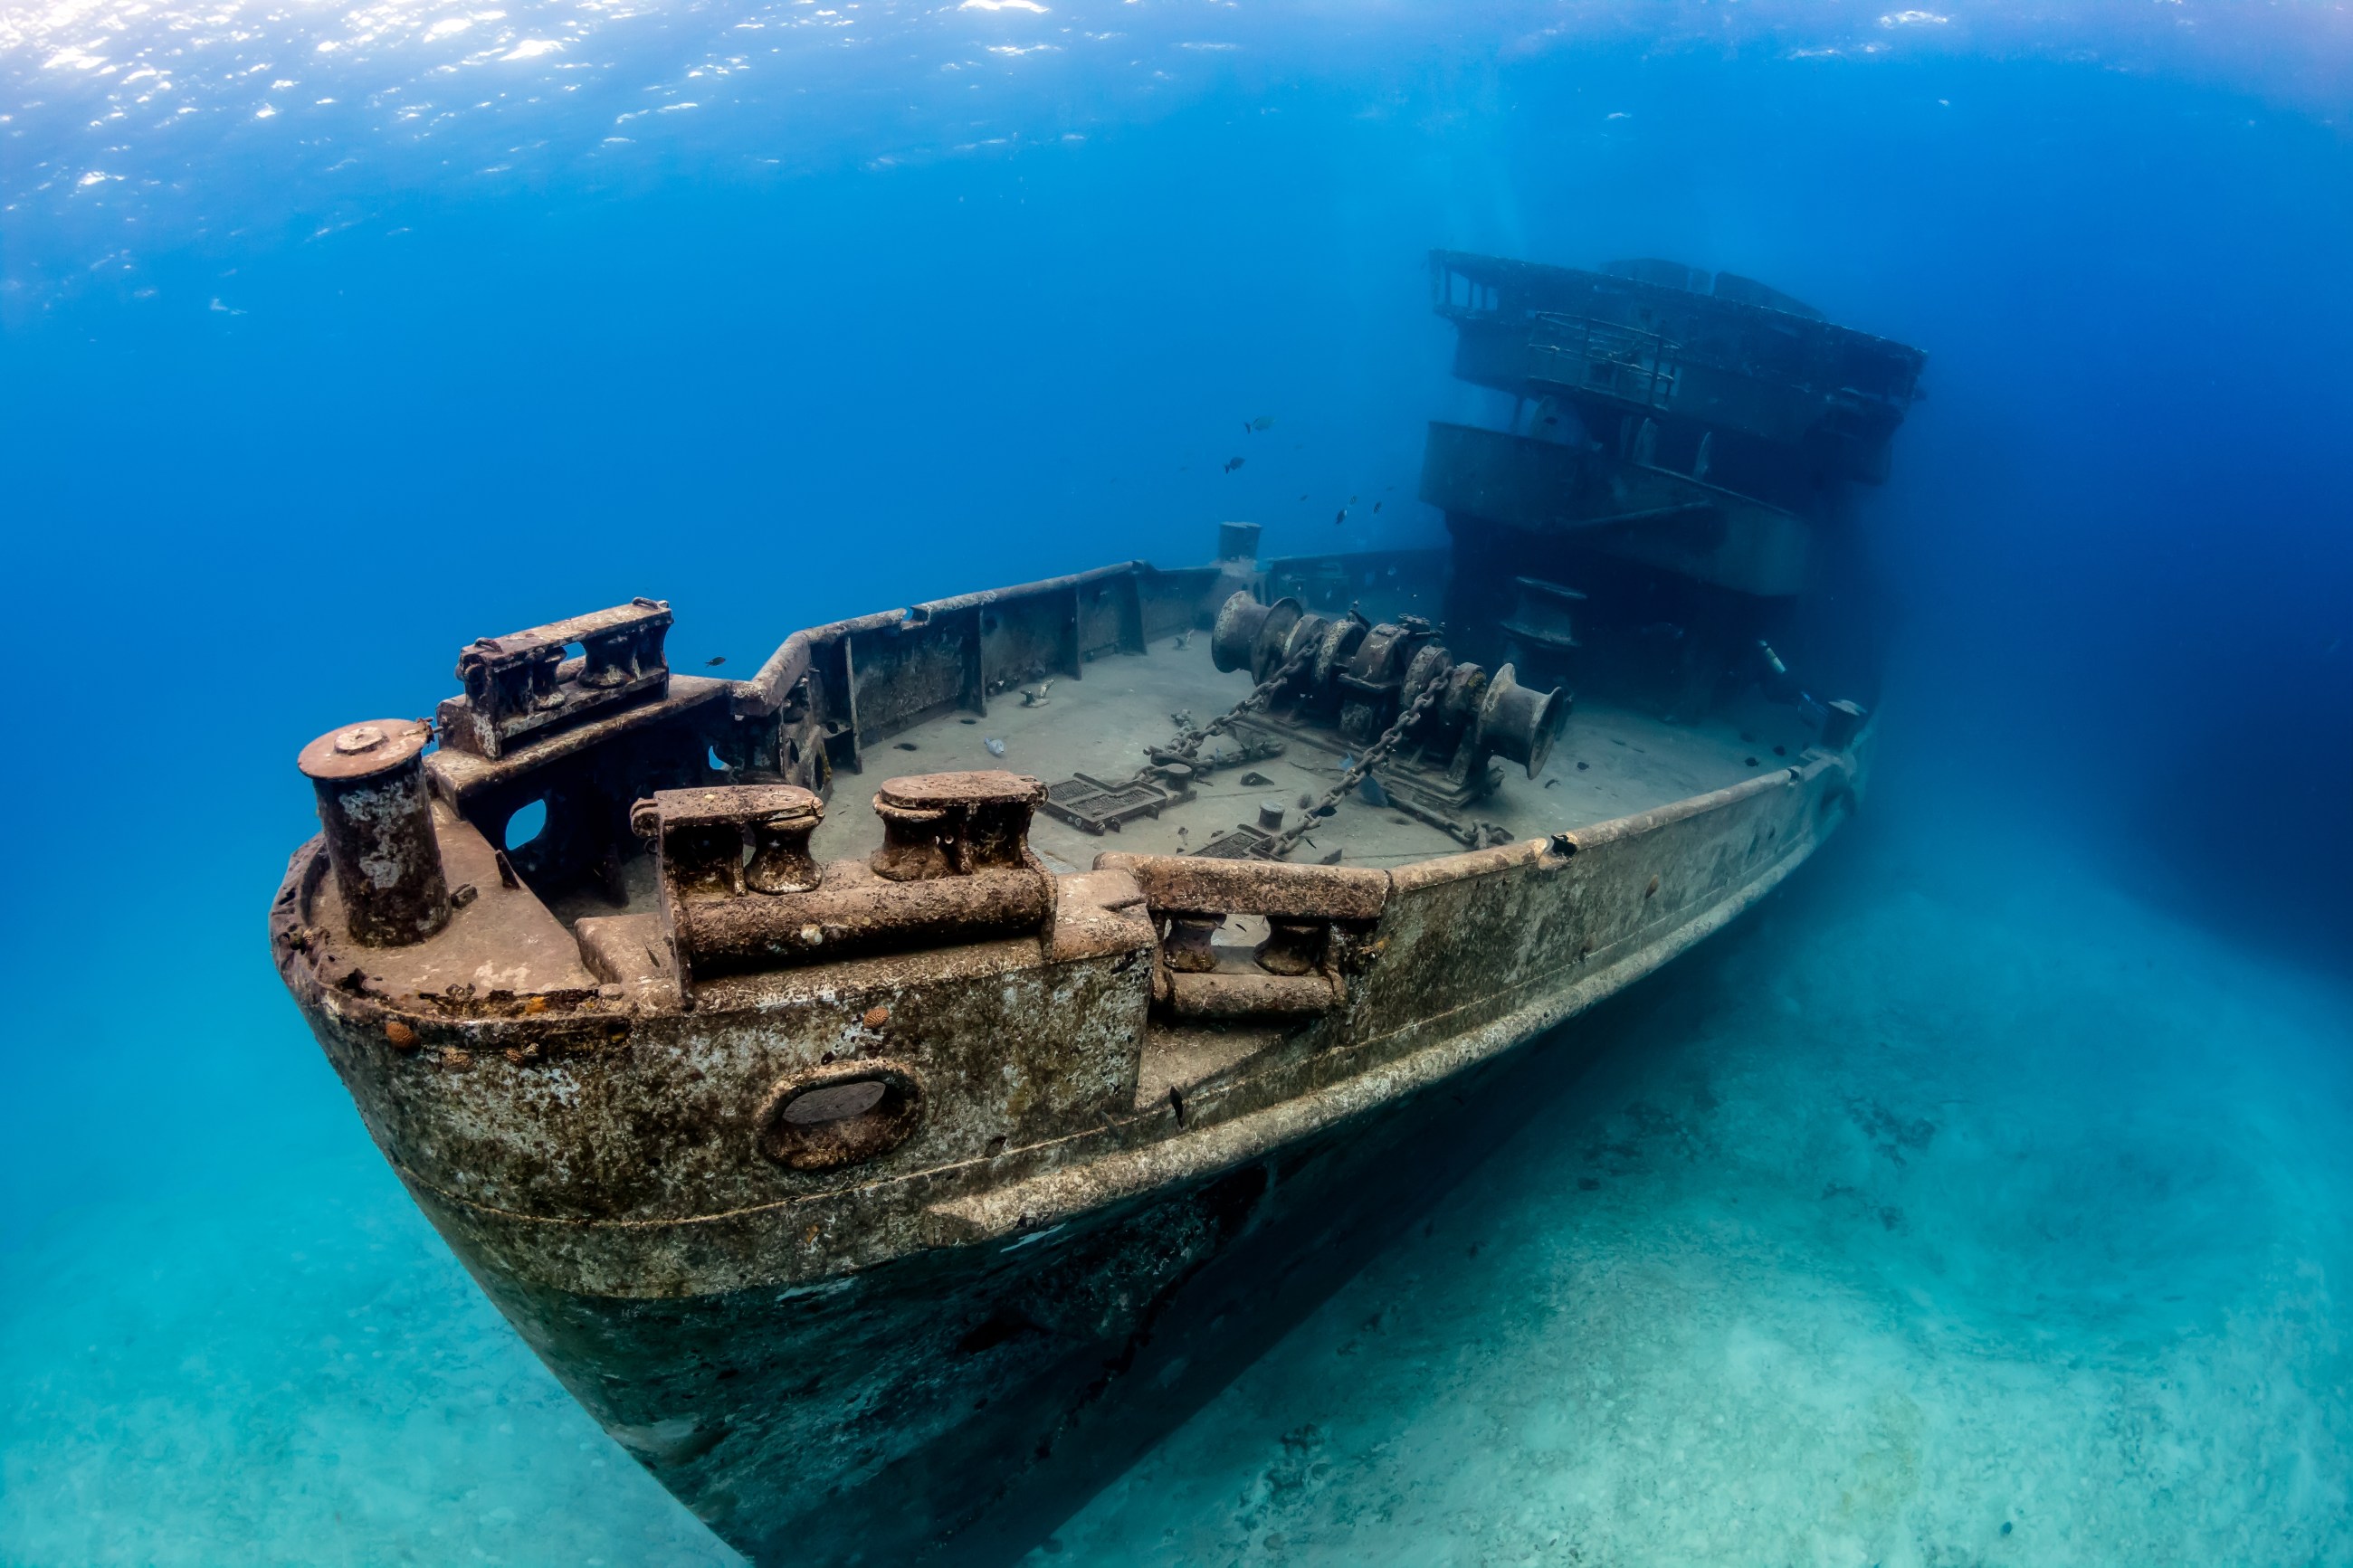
(1284, 842)
(1189, 747)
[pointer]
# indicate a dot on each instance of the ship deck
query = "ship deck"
(1610, 761)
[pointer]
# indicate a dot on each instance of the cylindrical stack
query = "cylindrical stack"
(370, 780)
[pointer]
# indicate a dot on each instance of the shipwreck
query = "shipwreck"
(886, 1166)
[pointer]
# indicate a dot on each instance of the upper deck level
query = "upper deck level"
(1658, 341)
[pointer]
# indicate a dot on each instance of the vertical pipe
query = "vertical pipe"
(370, 780)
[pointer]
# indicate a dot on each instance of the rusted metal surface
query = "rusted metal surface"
(1647, 514)
(520, 684)
(705, 836)
(378, 823)
(844, 1113)
(740, 891)
(1189, 885)
(470, 1130)
(857, 912)
(830, 693)
(621, 1180)
(1104, 805)
(955, 825)
(1723, 353)
(1541, 629)
(873, 1201)
(685, 703)
(1319, 921)
(1217, 995)
(1393, 698)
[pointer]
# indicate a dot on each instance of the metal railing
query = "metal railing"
(1587, 354)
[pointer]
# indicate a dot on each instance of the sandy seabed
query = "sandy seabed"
(1938, 1213)
(1963, 1215)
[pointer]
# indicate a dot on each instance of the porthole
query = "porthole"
(839, 1115)
(528, 821)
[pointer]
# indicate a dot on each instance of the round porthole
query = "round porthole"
(839, 1115)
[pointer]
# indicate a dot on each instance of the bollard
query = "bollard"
(370, 780)
(953, 825)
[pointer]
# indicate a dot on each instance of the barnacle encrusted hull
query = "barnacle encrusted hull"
(885, 1179)
(956, 1405)
(860, 1366)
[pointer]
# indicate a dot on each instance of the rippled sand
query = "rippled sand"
(1941, 1216)
(1937, 1215)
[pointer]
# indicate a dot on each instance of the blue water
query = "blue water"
(1984, 1198)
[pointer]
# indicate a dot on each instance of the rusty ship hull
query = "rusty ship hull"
(886, 1180)
(875, 1365)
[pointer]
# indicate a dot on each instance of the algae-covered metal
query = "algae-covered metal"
(885, 1172)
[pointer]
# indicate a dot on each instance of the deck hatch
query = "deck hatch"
(1097, 805)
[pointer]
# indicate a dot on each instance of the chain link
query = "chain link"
(1189, 747)
(1284, 842)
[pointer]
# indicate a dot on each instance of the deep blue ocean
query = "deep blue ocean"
(334, 337)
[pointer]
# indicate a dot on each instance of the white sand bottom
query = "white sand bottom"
(1928, 1200)
(1929, 1221)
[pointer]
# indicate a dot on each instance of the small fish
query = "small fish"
(1303, 497)
(1036, 696)
(1377, 506)
(996, 747)
(1392, 570)
(1372, 792)
(1184, 638)
(717, 659)
(1352, 501)
(1264, 421)
(1233, 463)
(1340, 517)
